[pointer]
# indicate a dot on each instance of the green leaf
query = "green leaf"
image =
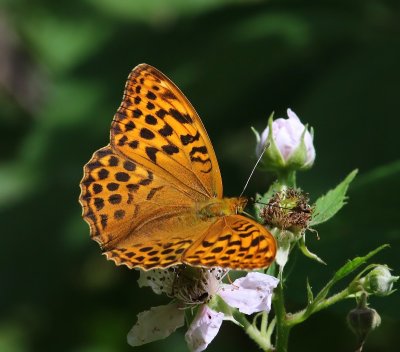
(329, 204)
(345, 270)
(355, 264)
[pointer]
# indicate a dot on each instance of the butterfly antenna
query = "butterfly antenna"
(254, 168)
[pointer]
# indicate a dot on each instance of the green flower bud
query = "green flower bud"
(379, 281)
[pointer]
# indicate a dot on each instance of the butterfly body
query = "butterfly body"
(216, 207)
(153, 196)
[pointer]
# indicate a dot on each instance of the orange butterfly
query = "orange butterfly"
(153, 196)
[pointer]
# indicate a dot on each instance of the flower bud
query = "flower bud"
(379, 281)
(363, 320)
(290, 144)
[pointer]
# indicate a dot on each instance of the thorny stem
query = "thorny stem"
(282, 329)
(258, 337)
(316, 306)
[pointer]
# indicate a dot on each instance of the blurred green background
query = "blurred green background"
(63, 67)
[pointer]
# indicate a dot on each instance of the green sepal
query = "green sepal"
(307, 252)
(257, 135)
(310, 295)
(219, 305)
(298, 157)
(190, 314)
(272, 158)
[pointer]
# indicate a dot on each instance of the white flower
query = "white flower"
(291, 144)
(203, 329)
(250, 294)
(197, 286)
(155, 324)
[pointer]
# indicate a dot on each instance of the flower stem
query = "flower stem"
(314, 307)
(287, 178)
(264, 323)
(271, 328)
(282, 329)
(257, 336)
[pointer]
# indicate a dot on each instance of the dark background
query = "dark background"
(63, 66)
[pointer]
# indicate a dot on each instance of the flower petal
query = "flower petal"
(203, 329)
(159, 280)
(251, 293)
(156, 324)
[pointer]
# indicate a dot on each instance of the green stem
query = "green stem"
(282, 328)
(253, 332)
(316, 306)
(264, 323)
(287, 178)
(270, 330)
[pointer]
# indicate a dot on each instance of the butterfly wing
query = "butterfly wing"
(234, 242)
(139, 193)
(137, 217)
(157, 126)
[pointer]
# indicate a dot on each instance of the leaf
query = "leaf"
(329, 204)
(354, 264)
(345, 270)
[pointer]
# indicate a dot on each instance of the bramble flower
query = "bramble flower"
(290, 144)
(288, 209)
(288, 213)
(203, 288)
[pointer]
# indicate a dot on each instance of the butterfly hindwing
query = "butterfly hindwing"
(235, 242)
(129, 207)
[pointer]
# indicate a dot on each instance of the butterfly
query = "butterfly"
(153, 196)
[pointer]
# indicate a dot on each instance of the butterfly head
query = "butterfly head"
(239, 204)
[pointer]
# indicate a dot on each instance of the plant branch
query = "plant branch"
(253, 332)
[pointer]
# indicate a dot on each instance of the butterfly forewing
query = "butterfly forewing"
(157, 126)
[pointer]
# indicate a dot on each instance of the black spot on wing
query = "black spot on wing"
(188, 138)
(166, 131)
(151, 153)
(146, 133)
(185, 118)
(170, 149)
(152, 192)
